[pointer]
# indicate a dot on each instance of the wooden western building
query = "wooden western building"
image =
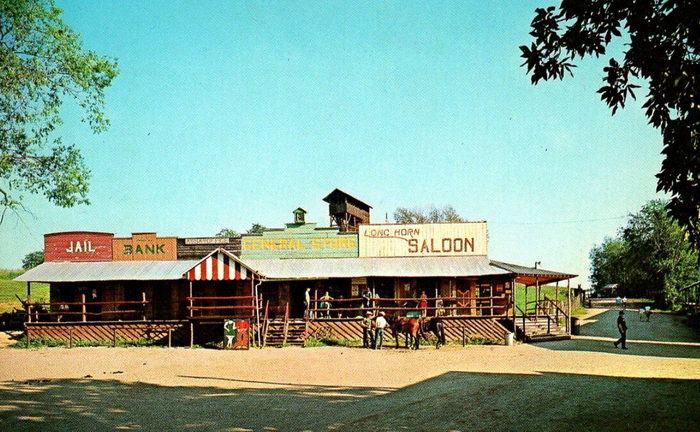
(189, 285)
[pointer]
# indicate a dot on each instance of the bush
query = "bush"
(44, 342)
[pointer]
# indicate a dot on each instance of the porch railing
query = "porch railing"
(59, 311)
(444, 306)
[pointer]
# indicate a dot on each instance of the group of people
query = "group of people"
(373, 330)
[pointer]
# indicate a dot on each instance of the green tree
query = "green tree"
(32, 260)
(256, 228)
(227, 232)
(42, 63)
(663, 51)
(650, 257)
(426, 214)
(608, 265)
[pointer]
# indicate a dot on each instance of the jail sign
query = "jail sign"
(433, 239)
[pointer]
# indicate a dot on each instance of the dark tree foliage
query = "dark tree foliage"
(32, 260)
(663, 52)
(227, 232)
(256, 228)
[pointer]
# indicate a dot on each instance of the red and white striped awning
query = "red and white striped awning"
(219, 265)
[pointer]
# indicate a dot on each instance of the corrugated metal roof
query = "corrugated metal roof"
(368, 267)
(546, 275)
(109, 270)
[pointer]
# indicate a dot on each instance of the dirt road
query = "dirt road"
(550, 386)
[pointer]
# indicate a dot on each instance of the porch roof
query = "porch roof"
(107, 271)
(445, 266)
(531, 275)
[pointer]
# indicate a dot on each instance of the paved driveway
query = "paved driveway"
(661, 327)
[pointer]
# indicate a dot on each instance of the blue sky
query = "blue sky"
(230, 113)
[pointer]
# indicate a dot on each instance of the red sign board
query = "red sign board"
(78, 246)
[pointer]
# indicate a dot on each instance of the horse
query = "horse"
(411, 328)
(437, 327)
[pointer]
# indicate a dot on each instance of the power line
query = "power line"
(558, 222)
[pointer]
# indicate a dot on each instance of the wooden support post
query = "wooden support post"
(568, 306)
(143, 305)
(537, 293)
(170, 338)
(114, 336)
(70, 338)
(29, 341)
(191, 315)
(28, 307)
(82, 299)
(29, 290)
(464, 337)
(525, 306)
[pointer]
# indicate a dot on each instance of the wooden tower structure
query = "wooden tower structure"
(346, 211)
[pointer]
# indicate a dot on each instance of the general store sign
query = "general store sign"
(435, 239)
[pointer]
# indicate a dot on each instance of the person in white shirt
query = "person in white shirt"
(307, 303)
(380, 324)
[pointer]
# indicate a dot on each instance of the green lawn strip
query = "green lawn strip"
(10, 288)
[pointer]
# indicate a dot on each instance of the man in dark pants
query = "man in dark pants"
(367, 333)
(622, 328)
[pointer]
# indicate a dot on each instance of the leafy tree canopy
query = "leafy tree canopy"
(426, 214)
(32, 260)
(227, 232)
(256, 228)
(650, 257)
(663, 51)
(42, 63)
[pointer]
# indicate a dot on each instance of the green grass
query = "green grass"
(48, 342)
(547, 290)
(10, 288)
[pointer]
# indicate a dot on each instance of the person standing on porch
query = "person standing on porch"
(622, 328)
(380, 324)
(423, 303)
(307, 303)
(367, 333)
(326, 304)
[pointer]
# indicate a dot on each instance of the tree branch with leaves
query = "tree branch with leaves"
(663, 51)
(42, 63)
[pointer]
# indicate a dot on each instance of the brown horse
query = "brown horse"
(411, 328)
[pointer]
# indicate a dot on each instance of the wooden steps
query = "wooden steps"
(537, 329)
(295, 333)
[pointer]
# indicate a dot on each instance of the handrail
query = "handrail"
(266, 323)
(286, 323)
(524, 327)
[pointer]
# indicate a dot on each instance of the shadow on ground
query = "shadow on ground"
(634, 349)
(455, 401)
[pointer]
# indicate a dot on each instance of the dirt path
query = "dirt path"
(534, 387)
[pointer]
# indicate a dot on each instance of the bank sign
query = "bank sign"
(433, 239)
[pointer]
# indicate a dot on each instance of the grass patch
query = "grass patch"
(43, 342)
(550, 291)
(10, 288)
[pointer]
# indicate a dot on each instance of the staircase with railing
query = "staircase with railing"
(546, 321)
